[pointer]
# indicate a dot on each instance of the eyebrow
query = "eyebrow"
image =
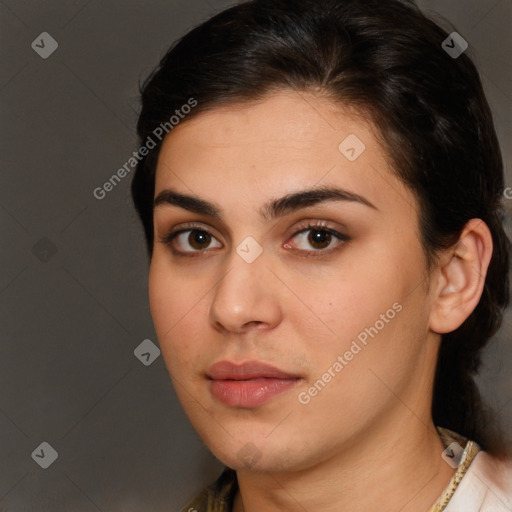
(276, 208)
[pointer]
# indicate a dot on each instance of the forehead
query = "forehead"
(251, 152)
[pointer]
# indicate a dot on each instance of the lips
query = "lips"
(224, 370)
(248, 385)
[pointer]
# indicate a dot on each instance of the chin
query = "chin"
(251, 458)
(259, 454)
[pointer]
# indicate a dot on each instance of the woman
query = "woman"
(320, 191)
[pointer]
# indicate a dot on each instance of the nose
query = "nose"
(246, 298)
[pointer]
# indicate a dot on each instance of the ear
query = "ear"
(461, 278)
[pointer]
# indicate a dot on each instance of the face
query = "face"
(287, 283)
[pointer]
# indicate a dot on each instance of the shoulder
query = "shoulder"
(486, 486)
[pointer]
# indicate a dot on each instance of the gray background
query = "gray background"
(74, 305)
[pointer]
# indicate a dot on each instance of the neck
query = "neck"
(383, 470)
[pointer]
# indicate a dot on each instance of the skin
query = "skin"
(366, 441)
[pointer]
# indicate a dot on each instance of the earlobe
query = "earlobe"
(461, 278)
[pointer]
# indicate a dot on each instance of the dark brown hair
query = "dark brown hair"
(385, 57)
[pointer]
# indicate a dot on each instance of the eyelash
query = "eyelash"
(309, 226)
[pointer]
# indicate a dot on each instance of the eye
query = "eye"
(311, 239)
(191, 240)
(318, 237)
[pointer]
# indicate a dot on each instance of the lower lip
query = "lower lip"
(249, 393)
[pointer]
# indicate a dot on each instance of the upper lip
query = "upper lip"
(226, 370)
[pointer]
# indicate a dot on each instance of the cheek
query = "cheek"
(342, 304)
(178, 309)
(374, 301)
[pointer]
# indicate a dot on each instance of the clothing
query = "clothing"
(480, 483)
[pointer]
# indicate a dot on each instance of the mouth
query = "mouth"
(248, 385)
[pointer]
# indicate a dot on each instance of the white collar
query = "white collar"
(485, 487)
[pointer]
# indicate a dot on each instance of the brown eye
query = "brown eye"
(190, 241)
(199, 239)
(319, 238)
